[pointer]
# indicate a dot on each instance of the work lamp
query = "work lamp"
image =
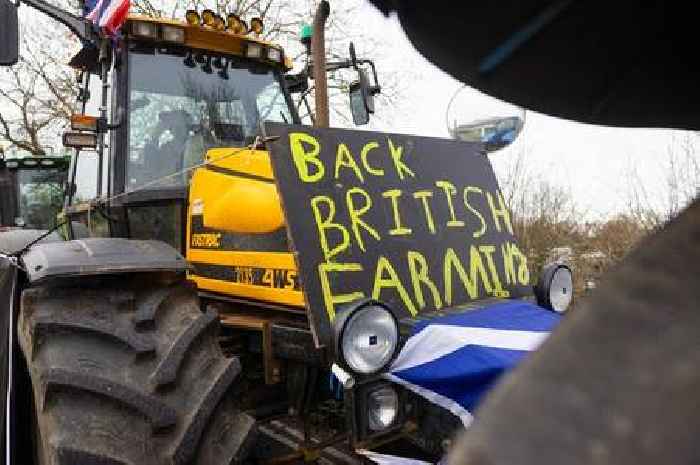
(253, 50)
(208, 18)
(219, 23)
(382, 408)
(256, 25)
(173, 34)
(554, 288)
(79, 122)
(144, 29)
(192, 17)
(234, 24)
(366, 336)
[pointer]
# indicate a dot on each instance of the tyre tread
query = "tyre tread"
(167, 370)
(158, 412)
(124, 323)
(202, 416)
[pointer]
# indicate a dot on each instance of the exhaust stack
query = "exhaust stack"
(318, 53)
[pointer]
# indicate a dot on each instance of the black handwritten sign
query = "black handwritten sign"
(416, 222)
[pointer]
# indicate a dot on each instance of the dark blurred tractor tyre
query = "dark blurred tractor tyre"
(130, 374)
(618, 381)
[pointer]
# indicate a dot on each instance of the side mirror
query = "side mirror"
(476, 117)
(9, 33)
(494, 133)
(362, 91)
(360, 115)
(361, 99)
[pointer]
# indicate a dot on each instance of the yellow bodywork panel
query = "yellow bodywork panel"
(237, 240)
(269, 277)
(245, 160)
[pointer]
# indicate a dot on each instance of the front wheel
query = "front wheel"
(130, 374)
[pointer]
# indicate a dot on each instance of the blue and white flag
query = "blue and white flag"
(454, 360)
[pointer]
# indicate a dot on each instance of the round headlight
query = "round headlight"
(368, 338)
(555, 288)
(382, 408)
(561, 289)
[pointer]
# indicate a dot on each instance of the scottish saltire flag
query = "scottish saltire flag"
(454, 360)
(108, 15)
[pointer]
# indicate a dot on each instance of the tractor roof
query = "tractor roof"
(198, 36)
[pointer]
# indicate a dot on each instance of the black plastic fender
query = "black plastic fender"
(54, 258)
(100, 256)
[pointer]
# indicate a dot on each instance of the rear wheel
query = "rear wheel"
(130, 374)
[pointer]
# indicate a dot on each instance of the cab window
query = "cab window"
(184, 103)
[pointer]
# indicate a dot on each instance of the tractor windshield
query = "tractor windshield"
(40, 196)
(182, 104)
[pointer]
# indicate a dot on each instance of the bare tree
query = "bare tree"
(680, 183)
(37, 94)
(547, 220)
(683, 175)
(544, 216)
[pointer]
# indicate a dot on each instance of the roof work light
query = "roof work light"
(234, 24)
(192, 17)
(208, 18)
(219, 23)
(256, 25)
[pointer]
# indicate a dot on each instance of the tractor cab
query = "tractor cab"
(31, 191)
(175, 91)
(183, 100)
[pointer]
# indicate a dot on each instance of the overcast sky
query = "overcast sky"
(593, 162)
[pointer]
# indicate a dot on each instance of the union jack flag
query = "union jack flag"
(109, 15)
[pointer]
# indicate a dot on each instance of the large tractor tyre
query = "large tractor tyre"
(130, 374)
